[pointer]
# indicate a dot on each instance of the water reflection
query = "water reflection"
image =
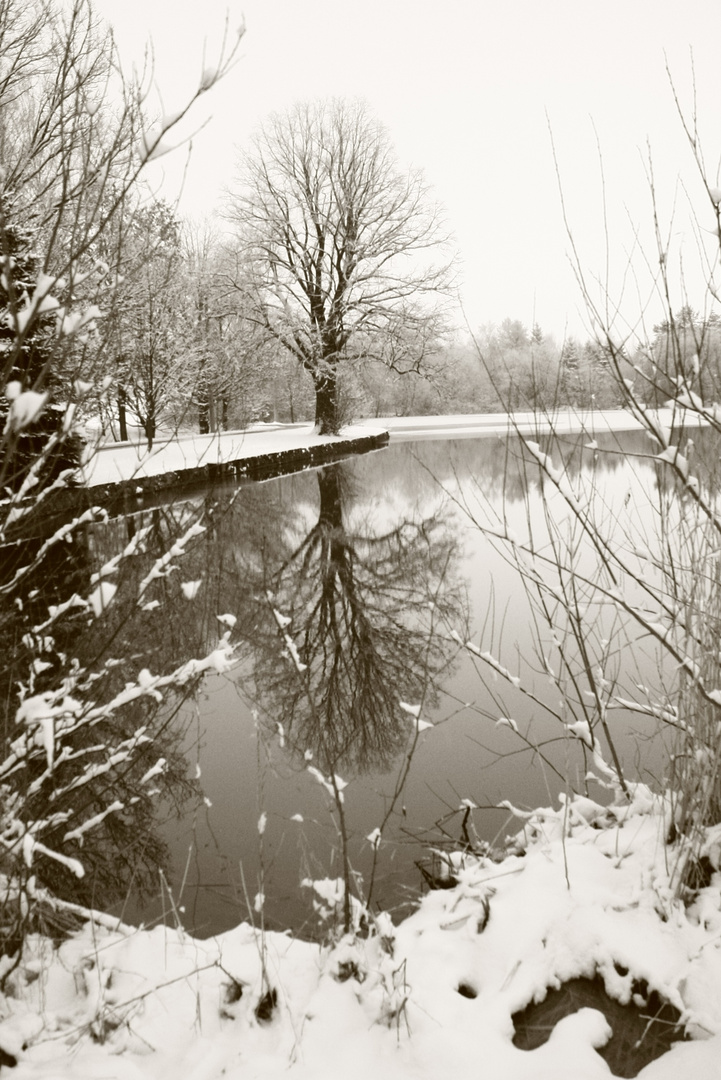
(371, 587)
(369, 612)
(504, 469)
(372, 564)
(351, 556)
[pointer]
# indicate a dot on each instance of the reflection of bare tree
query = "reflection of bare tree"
(366, 613)
(358, 598)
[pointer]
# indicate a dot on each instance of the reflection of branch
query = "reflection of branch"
(405, 767)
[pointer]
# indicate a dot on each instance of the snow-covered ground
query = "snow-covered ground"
(587, 891)
(565, 421)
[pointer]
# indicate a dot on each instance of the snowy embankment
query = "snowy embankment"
(586, 892)
(180, 456)
(186, 454)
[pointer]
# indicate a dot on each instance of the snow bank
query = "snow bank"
(123, 462)
(587, 891)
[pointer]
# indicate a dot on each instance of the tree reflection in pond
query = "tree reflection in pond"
(353, 567)
(370, 603)
(369, 615)
(371, 587)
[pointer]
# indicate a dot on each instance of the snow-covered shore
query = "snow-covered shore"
(562, 422)
(586, 892)
(180, 455)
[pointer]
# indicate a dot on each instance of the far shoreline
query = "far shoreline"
(116, 473)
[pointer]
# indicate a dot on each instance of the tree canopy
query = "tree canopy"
(341, 253)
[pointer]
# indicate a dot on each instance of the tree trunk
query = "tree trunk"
(203, 414)
(327, 419)
(149, 427)
(331, 501)
(122, 414)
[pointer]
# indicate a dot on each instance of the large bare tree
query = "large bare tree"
(343, 254)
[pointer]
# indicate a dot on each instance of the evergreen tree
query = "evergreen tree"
(570, 372)
(30, 364)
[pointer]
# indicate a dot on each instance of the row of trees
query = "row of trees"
(332, 259)
(194, 343)
(190, 354)
(508, 366)
(188, 351)
(326, 290)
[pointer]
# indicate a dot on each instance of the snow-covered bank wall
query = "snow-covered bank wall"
(114, 472)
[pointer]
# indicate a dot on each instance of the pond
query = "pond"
(350, 592)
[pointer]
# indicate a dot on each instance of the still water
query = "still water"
(350, 591)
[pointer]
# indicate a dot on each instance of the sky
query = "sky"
(477, 93)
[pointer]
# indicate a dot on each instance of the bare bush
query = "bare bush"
(609, 579)
(75, 140)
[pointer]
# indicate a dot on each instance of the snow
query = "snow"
(565, 421)
(585, 890)
(26, 406)
(190, 589)
(77, 320)
(489, 659)
(102, 596)
(333, 787)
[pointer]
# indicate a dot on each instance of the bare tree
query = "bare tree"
(150, 333)
(236, 364)
(341, 244)
(75, 140)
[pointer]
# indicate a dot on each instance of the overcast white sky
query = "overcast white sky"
(467, 91)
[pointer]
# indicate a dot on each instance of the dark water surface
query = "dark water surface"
(380, 566)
